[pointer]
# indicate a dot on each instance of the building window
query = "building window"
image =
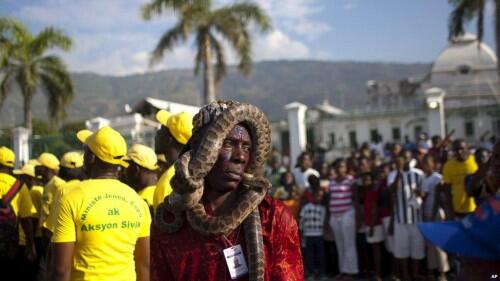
(353, 142)
(464, 69)
(469, 128)
(396, 134)
(374, 135)
(332, 139)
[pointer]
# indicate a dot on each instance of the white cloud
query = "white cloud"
(111, 37)
(277, 45)
(297, 16)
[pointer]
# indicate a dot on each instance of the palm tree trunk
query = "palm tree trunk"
(208, 77)
(497, 33)
(28, 98)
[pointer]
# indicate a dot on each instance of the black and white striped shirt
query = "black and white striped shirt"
(407, 205)
(312, 217)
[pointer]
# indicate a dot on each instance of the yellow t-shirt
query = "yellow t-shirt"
(54, 206)
(105, 218)
(163, 188)
(21, 203)
(147, 194)
(36, 193)
(48, 196)
(454, 173)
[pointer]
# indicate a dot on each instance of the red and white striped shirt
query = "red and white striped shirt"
(341, 195)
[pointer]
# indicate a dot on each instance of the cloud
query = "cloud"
(111, 37)
(297, 16)
(277, 45)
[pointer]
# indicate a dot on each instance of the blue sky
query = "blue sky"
(111, 38)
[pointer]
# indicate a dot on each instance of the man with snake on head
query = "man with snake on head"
(219, 218)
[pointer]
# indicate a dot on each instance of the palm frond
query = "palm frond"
(54, 66)
(48, 38)
(480, 20)
(220, 65)
(13, 30)
(57, 95)
(198, 60)
(178, 33)
(157, 7)
(247, 13)
(463, 12)
(5, 86)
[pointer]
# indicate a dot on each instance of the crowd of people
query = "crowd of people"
(359, 216)
(201, 205)
(88, 215)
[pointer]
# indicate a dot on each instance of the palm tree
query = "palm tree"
(466, 10)
(210, 26)
(23, 61)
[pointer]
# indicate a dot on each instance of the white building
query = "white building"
(465, 72)
(139, 125)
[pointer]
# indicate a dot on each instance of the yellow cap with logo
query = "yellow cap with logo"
(180, 124)
(107, 144)
(7, 157)
(72, 159)
(49, 160)
(143, 156)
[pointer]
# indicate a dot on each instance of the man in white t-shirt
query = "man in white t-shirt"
(303, 171)
(437, 260)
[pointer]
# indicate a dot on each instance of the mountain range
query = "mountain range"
(271, 85)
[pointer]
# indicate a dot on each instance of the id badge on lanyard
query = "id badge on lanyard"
(235, 261)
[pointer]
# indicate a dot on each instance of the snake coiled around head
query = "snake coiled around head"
(210, 127)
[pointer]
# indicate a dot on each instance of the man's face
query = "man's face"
(43, 173)
(305, 162)
(166, 144)
(341, 169)
(234, 156)
(162, 140)
(131, 175)
(88, 160)
(461, 151)
(400, 163)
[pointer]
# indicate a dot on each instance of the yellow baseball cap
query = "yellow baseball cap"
(49, 160)
(180, 124)
(82, 135)
(29, 170)
(143, 156)
(33, 162)
(107, 144)
(7, 157)
(72, 159)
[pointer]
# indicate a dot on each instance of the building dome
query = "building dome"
(464, 54)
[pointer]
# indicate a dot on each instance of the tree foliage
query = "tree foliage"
(24, 62)
(211, 27)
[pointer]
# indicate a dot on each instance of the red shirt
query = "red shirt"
(189, 255)
(371, 200)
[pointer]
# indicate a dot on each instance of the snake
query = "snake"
(193, 165)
